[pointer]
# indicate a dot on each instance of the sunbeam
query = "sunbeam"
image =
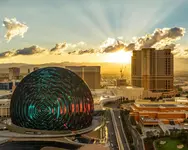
(119, 57)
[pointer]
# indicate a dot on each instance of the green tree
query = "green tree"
(183, 136)
(180, 89)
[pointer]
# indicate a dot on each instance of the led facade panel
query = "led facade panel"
(52, 98)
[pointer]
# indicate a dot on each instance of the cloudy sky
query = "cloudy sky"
(90, 22)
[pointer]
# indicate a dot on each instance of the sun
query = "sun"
(119, 57)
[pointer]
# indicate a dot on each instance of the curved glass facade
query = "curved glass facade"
(52, 98)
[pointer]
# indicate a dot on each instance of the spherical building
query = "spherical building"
(52, 98)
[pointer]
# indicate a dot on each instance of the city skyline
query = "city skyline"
(93, 74)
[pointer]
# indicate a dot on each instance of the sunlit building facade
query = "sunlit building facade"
(154, 114)
(153, 69)
(90, 74)
(4, 108)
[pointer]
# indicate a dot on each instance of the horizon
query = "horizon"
(106, 67)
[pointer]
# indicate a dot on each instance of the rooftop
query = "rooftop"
(160, 105)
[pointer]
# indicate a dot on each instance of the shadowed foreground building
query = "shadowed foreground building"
(153, 69)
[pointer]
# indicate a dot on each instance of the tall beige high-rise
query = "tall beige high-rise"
(153, 69)
(90, 74)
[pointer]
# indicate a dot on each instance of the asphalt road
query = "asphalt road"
(137, 140)
(136, 136)
(111, 133)
(120, 128)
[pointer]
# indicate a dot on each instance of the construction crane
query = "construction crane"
(122, 69)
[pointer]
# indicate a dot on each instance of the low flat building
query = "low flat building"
(7, 85)
(4, 76)
(4, 93)
(121, 82)
(154, 114)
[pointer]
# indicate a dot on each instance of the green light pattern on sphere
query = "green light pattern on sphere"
(52, 98)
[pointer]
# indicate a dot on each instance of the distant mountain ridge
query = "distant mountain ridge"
(180, 66)
(106, 68)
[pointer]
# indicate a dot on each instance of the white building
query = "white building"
(132, 93)
(107, 99)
